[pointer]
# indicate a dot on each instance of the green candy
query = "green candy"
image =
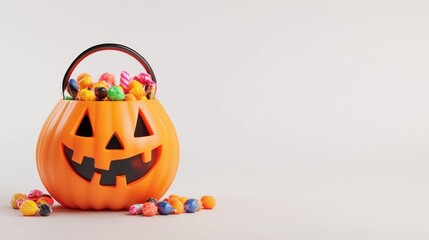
(68, 98)
(115, 94)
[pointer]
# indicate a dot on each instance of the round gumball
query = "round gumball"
(86, 95)
(85, 83)
(83, 75)
(45, 209)
(135, 209)
(29, 208)
(107, 78)
(100, 93)
(152, 200)
(191, 205)
(15, 198)
(165, 208)
(209, 202)
(115, 94)
(149, 209)
(34, 194)
(177, 205)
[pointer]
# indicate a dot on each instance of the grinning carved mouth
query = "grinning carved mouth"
(133, 167)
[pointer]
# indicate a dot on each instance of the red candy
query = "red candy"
(34, 194)
(149, 209)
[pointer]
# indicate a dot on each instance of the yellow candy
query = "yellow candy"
(130, 97)
(29, 208)
(100, 84)
(209, 202)
(173, 196)
(183, 199)
(81, 76)
(86, 95)
(15, 198)
(85, 82)
(150, 93)
(138, 92)
(134, 84)
(177, 204)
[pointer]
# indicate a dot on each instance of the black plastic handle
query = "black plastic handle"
(103, 47)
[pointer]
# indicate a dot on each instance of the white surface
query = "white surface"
(306, 119)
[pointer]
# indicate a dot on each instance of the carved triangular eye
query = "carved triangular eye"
(114, 143)
(141, 129)
(85, 128)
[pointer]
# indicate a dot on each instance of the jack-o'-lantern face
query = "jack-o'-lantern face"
(98, 155)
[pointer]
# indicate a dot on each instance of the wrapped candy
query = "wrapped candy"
(34, 194)
(72, 88)
(165, 208)
(107, 78)
(45, 210)
(83, 75)
(86, 95)
(29, 208)
(100, 93)
(209, 202)
(130, 97)
(85, 83)
(149, 209)
(144, 78)
(115, 94)
(191, 205)
(138, 92)
(124, 80)
(177, 205)
(135, 209)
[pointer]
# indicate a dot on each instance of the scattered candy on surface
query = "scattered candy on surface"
(165, 208)
(45, 209)
(183, 199)
(152, 200)
(115, 94)
(149, 209)
(135, 209)
(107, 78)
(191, 205)
(86, 95)
(177, 205)
(19, 201)
(171, 196)
(209, 202)
(124, 80)
(15, 198)
(72, 88)
(29, 208)
(34, 194)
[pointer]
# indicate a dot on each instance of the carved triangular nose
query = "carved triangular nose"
(114, 142)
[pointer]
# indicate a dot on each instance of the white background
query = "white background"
(305, 119)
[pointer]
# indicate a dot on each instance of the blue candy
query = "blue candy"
(73, 88)
(191, 205)
(165, 208)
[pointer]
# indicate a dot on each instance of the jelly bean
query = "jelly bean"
(124, 80)
(149, 209)
(45, 210)
(152, 200)
(107, 78)
(177, 205)
(100, 93)
(34, 194)
(183, 199)
(138, 92)
(15, 198)
(115, 94)
(135, 209)
(209, 202)
(85, 83)
(72, 88)
(86, 95)
(29, 208)
(191, 205)
(82, 75)
(130, 97)
(165, 208)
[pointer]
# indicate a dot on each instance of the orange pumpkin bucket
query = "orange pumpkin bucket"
(107, 154)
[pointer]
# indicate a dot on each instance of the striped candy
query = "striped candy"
(124, 80)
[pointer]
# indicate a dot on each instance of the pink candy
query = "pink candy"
(144, 78)
(108, 78)
(34, 194)
(136, 209)
(124, 80)
(149, 209)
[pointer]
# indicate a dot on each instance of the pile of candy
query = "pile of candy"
(84, 88)
(174, 204)
(34, 203)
